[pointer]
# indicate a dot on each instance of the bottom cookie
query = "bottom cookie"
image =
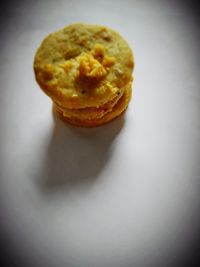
(116, 111)
(91, 113)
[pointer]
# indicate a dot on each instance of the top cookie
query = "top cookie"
(83, 65)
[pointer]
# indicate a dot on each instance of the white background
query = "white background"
(122, 195)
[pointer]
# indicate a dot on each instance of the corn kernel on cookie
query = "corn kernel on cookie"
(83, 66)
(91, 113)
(118, 109)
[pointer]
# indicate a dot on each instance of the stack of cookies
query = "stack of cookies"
(87, 72)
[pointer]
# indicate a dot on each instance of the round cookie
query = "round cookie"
(83, 66)
(117, 110)
(91, 113)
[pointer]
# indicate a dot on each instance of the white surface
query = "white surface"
(121, 195)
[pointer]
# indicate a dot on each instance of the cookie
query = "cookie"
(91, 113)
(118, 109)
(83, 66)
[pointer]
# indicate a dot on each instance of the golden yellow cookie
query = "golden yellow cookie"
(83, 66)
(116, 111)
(91, 113)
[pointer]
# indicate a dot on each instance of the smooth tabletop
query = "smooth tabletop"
(122, 195)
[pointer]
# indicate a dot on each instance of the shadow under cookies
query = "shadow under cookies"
(76, 156)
